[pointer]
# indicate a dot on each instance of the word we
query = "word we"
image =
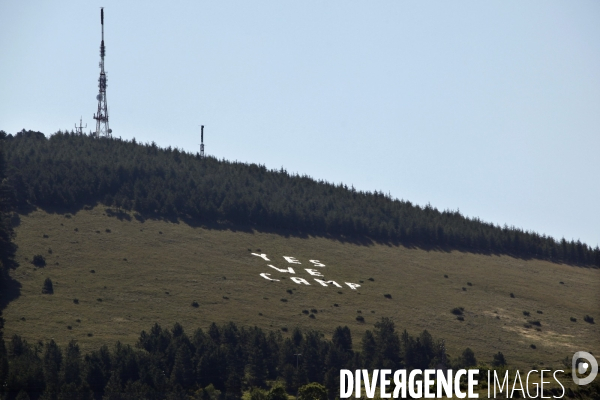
(313, 272)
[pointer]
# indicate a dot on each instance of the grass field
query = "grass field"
(152, 271)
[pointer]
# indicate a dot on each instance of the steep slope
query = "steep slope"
(127, 273)
(70, 171)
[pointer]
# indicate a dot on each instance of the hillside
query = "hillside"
(69, 172)
(128, 273)
(112, 238)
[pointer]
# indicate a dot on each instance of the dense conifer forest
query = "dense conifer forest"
(219, 363)
(70, 171)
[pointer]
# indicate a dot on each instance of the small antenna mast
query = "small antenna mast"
(79, 129)
(201, 141)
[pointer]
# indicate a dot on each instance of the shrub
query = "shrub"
(290, 291)
(90, 334)
(45, 236)
(93, 271)
(314, 310)
(588, 319)
(458, 310)
(195, 304)
(499, 360)
(226, 298)
(312, 391)
(107, 230)
(526, 313)
(76, 301)
(304, 311)
(257, 393)
(464, 289)
(540, 312)
(573, 319)
(284, 329)
(48, 288)
(469, 284)
(277, 393)
(387, 296)
(336, 305)
(512, 295)
(446, 276)
(312, 316)
(533, 346)
(536, 323)
(460, 318)
(99, 300)
(561, 282)
(468, 358)
(360, 318)
(283, 300)
(39, 261)
(69, 327)
(371, 279)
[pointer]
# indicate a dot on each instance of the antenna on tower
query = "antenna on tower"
(101, 116)
(201, 141)
(79, 129)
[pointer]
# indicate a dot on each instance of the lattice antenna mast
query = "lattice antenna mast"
(201, 141)
(79, 129)
(101, 116)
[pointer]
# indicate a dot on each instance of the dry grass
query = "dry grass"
(164, 273)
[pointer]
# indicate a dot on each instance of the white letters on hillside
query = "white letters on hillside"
(299, 280)
(323, 283)
(261, 255)
(289, 269)
(312, 273)
(266, 276)
(317, 263)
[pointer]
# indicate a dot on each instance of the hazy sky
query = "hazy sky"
(489, 107)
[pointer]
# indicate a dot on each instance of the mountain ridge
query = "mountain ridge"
(71, 170)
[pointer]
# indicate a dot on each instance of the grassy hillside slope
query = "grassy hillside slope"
(152, 271)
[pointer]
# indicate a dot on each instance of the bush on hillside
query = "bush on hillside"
(458, 310)
(48, 288)
(39, 261)
(499, 360)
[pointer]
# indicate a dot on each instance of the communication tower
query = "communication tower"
(79, 129)
(201, 141)
(101, 116)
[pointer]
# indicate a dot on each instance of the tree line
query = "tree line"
(70, 170)
(219, 363)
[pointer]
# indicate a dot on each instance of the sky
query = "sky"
(491, 108)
